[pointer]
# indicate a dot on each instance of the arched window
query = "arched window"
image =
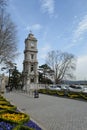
(32, 68)
(32, 56)
(32, 80)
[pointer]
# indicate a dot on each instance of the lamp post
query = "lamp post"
(44, 70)
(10, 73)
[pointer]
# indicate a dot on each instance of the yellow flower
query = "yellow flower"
(13, 116)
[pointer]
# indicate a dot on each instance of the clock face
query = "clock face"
(32, 44)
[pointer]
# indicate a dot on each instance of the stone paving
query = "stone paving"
(52, 113)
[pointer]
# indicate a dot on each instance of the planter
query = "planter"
(83, 95)
(73, 94)
(32, 125)
(8, 107)
(60, 93)
(4, 102)
(21, 127)
(6, 125)
(14, 117)
(2, 110)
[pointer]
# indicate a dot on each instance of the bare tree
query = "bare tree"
(3, 3)
(8, 36)
(62, 63)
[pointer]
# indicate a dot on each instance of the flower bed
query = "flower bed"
(13, 119)
(4, 102)
(6, 125)
(22, 127)
(8, 107)
(73, 94)
(2, 110)
(31, 124)
(60, 93)
(83, 95)
(2, 99)
(77, 95)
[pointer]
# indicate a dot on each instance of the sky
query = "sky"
(57, 25)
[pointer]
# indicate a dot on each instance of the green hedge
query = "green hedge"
(2, 110)
(83, 95)
(8, 107)
(69, 94)
(12, 109)
(11, 120)
(51, 92)
(21, 127)
(4, 102)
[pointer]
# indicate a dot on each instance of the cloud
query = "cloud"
(19, 61)
(43, 51)
(34, 27)
(78, 33)
(11, 0)
(81, 29)
(46, 48)
(81, 71)
(47, 6)
(15, 13)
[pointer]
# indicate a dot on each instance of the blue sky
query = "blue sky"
(57, 24)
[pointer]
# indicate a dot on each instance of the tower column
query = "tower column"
(30, 63)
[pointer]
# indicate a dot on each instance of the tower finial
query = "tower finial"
(30, 32)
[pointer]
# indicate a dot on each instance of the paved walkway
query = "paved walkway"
(54, 113)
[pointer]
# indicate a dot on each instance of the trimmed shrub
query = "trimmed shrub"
(83, 95)
(14, 117)
(21, 127)
(73, 94)
(8, 107)
(60, 93)
(4, 102)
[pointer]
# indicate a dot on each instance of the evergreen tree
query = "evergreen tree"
(15, 79)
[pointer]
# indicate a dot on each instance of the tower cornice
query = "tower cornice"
(31, 50)
(30, 39)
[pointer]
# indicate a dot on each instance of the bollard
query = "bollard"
(36, 94)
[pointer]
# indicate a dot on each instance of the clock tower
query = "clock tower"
(30, 63)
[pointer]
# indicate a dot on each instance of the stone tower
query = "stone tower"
(30, 63)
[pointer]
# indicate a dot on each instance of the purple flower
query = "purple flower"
(6, 126)
(32, 124)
